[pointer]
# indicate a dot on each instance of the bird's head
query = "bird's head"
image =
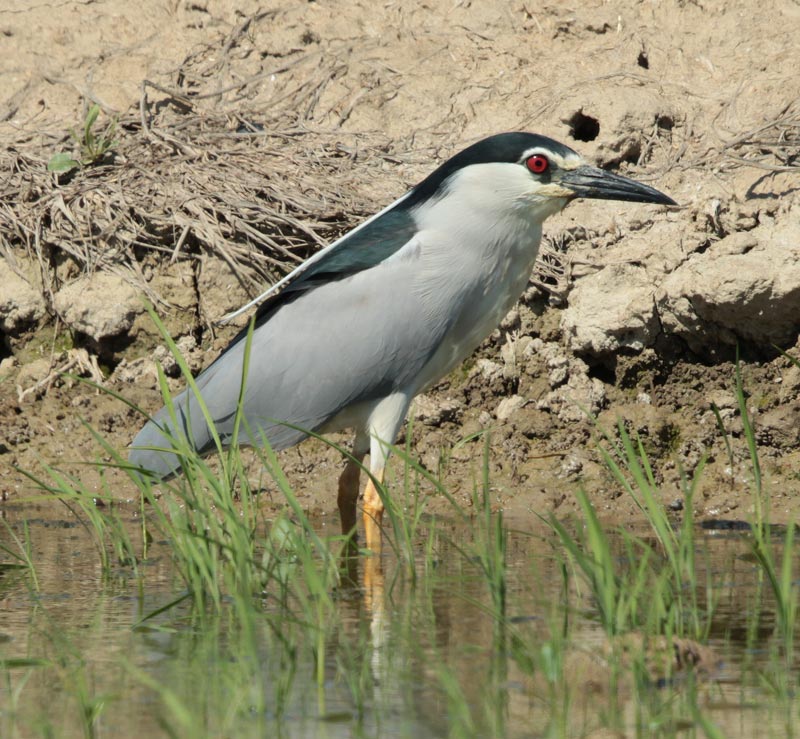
(531, 171)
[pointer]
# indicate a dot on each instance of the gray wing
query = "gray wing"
(365, 246)
(342, 343)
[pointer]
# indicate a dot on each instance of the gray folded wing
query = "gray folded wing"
(333, 347)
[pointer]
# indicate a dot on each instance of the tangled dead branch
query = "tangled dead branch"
(195, 171)
(253, 199)
(773, 146)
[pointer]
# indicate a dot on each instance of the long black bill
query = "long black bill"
(591, 182)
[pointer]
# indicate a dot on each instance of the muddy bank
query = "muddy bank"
(268, 133)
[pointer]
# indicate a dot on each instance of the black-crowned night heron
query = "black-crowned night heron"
(354, 333)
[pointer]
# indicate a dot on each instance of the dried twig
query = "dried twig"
(77, 359)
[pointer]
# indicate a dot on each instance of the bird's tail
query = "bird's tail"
(175, 434)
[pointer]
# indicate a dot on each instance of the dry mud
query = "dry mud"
(269, 130)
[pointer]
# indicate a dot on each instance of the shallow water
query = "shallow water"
(404, 656)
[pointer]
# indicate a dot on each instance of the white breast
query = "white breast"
(478, 247)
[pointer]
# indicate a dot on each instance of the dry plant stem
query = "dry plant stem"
(781, 134)
(77, 359)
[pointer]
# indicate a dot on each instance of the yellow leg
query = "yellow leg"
(373, 513)
(348, 493)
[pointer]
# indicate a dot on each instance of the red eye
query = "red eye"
(537, 164)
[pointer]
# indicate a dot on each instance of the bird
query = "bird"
(353, 334)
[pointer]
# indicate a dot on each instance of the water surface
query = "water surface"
(407, 652)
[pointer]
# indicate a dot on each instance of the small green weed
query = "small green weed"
(92, 146)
